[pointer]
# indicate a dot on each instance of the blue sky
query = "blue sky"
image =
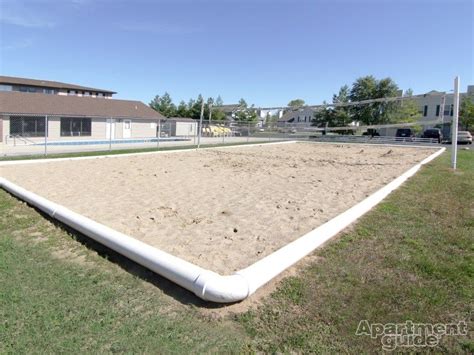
(267, 52)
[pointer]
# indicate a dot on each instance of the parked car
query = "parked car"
(464, 137)
(433, 133)
(371, 132)
(404, 134)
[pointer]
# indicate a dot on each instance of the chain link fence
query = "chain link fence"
(24, 135)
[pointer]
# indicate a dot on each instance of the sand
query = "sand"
(222, 209)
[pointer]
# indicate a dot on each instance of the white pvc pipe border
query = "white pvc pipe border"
(204, 283)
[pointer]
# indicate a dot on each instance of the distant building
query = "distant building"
(9, 83)
(73, 112)
(178, 127)
(431, 107)
(300, 117)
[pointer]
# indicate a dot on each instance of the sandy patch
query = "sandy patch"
(222, 209)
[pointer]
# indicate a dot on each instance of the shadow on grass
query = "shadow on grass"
(168, 287)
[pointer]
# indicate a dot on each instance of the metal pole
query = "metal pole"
(110, 133)
(200, 124)
(45, 135)
(159, 134)
(210, 113)
(248, 132)
(454, 137)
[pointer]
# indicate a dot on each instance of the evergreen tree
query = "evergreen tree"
(182, 110)
(164, 105)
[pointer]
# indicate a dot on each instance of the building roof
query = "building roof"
(181, 119)
(12, 102)
(11, 80)
(302, 111)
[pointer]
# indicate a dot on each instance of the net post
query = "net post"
(454, 129)
(46, 135)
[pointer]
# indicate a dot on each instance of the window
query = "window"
(6, 87)
(449, 110)
(437, 110)
(425, 110)
(27, 126)
(75, 126)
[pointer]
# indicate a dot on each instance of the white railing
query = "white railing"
(18, 139)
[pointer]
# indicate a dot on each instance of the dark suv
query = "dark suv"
(434, 133)
(404, 134)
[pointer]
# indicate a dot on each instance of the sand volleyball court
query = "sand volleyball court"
(222, 209)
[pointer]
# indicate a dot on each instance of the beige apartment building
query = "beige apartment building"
(32, 109)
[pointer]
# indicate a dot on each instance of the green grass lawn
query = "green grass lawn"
(411, 258)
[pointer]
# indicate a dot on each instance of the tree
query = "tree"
(164, 105)
(271, 121)
(218, 115)
(337, 116)
(208, 107)
(245, 113)
(466, 113)
(296, 103)
(182, 110)
(405, 111)
(366, 88)
(194, 107)
(219, 101)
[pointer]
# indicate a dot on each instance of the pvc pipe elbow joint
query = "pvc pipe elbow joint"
(213, 287)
